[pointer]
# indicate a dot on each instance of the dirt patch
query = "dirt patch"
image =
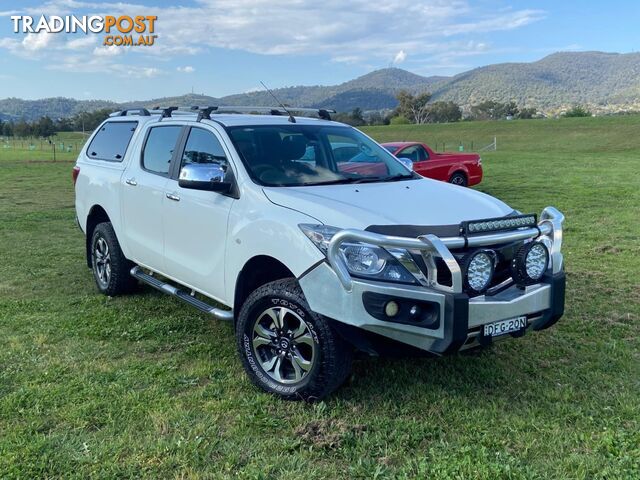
(607, 249)
(327, 434)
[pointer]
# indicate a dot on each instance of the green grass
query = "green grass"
(38, 149)
(142, 386)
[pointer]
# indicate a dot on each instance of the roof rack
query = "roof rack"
(323, 113)
(141, 112)
(166, 112)
(205, 112)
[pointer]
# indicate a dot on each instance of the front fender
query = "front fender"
(259, 227)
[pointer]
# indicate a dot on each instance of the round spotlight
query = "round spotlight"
(530, 263)
(479, 268)
(391, 309)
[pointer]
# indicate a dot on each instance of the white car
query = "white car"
(264, 220)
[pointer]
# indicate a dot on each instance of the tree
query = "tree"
(7, 129)
(509, 110)
(355, 118)
(527, 112)
(445, 112)
(22, 129)
(413, 107)
(44, 127)
(492, 110)
(399, 120)
(577, 111)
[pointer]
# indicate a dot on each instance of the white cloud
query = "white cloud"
(400, 57)
(80, 43)
(110, 51)
(33, 42)
(360, 31)
(187, 69)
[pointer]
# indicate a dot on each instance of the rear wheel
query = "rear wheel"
(286, 348)
(111, 270)
(459, 178)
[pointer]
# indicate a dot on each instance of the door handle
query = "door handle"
(173, 196)
(131, 181)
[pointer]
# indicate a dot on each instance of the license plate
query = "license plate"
(505, 326)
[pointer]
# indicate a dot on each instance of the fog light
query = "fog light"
(530, 263)
(391, 309)
(479, 268)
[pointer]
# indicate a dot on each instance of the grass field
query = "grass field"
(67, 145)
(142, 386)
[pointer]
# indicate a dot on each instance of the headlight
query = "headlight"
(530, 263)
(363, 260)
(479, 268)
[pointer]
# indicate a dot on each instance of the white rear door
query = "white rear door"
(144, 194)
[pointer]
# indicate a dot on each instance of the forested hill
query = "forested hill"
(603, 80)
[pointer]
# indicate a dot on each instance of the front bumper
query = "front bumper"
(454, 322)
(448, 320)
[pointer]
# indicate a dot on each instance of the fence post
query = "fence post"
(54, 152)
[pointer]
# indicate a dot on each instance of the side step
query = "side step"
(164, 287)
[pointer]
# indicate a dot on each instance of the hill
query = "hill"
(604, 81)
(559, 79)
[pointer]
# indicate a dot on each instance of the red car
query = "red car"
(458, 168)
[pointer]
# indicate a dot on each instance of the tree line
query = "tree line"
(46, 127)
(418, 109)
(411, 109)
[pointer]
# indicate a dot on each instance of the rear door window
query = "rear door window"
(112, 141)
(159, 147)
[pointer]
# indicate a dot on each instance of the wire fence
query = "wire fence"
(41, 148)
(465, 146)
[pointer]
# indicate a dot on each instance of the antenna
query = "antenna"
(291, 118)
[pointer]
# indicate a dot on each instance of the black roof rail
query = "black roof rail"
(123, 113)
(166, 112)
(323, 113)
(204, 112)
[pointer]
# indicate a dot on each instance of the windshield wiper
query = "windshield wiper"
(392, 178)
(355, 180)
(337, 181)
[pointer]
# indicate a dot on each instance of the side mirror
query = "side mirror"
(406, 162)
(204, 176)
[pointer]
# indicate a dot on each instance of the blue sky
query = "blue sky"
(219, 47)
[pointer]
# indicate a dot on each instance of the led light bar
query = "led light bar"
(488, 225)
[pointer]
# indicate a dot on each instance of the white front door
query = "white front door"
(195, 221)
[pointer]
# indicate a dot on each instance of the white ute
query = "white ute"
(311, 238)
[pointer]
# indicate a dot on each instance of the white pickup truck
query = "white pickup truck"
(311, 238)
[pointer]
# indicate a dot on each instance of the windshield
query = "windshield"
(391, 148)
(295, 155)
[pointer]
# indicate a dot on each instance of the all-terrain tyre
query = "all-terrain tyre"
(459, 178)
(111, 270)
(286, 348)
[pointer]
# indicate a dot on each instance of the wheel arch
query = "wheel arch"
(97, 215)
(257, 271)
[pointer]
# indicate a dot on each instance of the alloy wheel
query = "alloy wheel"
(283, 344)
(102, 259)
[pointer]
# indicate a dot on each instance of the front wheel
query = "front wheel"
(286, 348)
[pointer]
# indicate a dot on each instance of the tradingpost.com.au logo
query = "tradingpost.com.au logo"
(122, 31)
